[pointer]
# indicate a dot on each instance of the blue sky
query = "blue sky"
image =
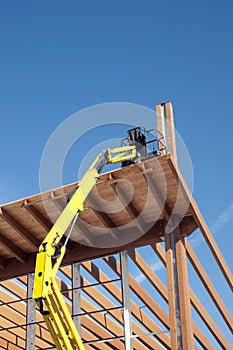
(59, 57)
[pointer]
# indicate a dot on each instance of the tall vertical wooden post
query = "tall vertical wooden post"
(165, 126)
(184, 296)
(181, 327)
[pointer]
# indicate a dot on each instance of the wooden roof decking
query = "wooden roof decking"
(125, 210)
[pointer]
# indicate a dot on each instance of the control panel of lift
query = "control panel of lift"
(146, 143)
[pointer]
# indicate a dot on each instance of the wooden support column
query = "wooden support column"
(184, 293)
(181, 327)
(171, 140)
(165, 126)
(161, 128)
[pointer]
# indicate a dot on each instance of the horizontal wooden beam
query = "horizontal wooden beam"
(80, 252)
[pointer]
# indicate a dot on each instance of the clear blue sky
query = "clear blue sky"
(58, 57)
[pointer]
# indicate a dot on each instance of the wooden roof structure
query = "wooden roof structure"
(146, 199)
(25, 223)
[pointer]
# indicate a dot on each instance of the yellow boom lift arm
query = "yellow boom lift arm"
(49, 258)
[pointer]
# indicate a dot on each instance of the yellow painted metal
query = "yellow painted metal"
(46, 292)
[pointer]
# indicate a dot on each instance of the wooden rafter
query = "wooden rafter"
(19, 228)
(37, 215)
(202, 225)
(80, 252)
(116, 293)
(199, 308)
(209, 322)
(158, 197)
(164, 292)
(99, 275)
(141, 293)
(2, 263)
(12, 248)
(209, 286)
(129, 207)
(105, 321)
(101, 213)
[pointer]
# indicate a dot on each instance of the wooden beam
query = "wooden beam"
(20, 308)
(158, 249)
(209, 286)
(87, 323)
(12, 249)
(197, 332)
(37, 215)
(200, 337)
(171, 294)
(159, 197)
(105, 303)
(58, 201)
(2, 263)
(184, 296)
(20, 229)
(202, 225)
(141, 316)
(13, 319)
(161, 128)
(164, 292)
(141, 293)
(129, 207)
(100, 213)
(209, 322)
(149, 274)
(170, 130)
(102, 317)
(202, 340)
(6, 344)
(80, 252)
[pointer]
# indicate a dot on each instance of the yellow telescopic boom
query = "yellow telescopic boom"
(49, 258)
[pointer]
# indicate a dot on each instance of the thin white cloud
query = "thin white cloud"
(197, 240)
(157, 266)
(222, 219)
(140, 278)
